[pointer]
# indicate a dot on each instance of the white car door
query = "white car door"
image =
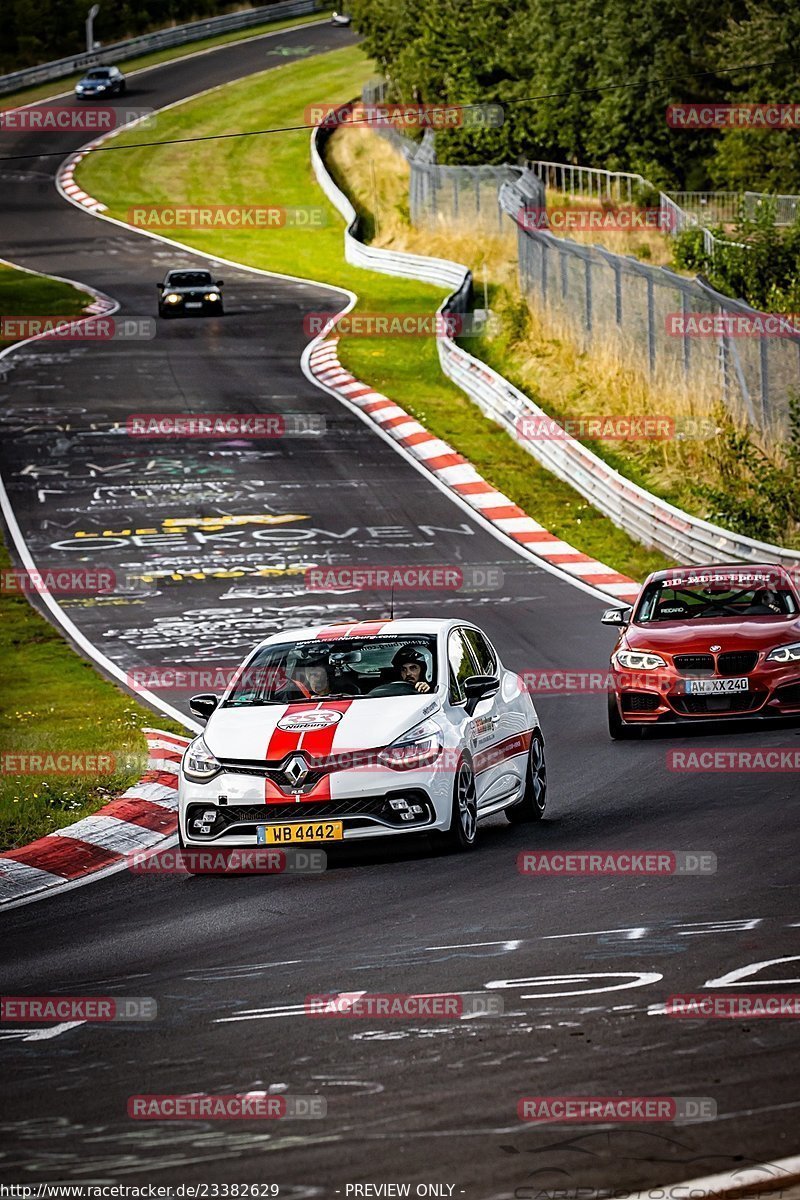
(480, 727)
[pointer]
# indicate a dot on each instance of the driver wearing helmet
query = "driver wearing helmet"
(411, 668)
(312, 676)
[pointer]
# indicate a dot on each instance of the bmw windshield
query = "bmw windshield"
(341, 669)
(727, 597)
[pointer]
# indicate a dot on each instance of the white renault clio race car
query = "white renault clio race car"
(364, 730)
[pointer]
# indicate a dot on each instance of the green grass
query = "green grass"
(56, 87)
(24, 295)
(276, 170)
(51, 699)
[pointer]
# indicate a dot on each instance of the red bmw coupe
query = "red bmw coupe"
(706, 643)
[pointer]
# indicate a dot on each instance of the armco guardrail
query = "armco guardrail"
(644, 516)
(162, 39)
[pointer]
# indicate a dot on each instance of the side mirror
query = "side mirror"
(220, 283)
(616, 616)
(477, 688)
(203, 706)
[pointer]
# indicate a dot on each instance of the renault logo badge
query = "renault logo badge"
(296, 770)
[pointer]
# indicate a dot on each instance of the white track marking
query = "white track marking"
(44, 1035)
(740, 975)
(512, 944)
(630, 979)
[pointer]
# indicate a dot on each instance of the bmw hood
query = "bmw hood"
(319, 728)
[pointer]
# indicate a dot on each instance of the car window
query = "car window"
(189, 279)
(482, 652)
(461, 665)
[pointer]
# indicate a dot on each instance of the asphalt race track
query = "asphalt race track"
(230, 960)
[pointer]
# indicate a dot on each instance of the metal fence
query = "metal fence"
(162, 39)
(657, 317)
(592, 183)
(441, 196)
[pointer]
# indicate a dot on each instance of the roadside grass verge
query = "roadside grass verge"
(276, 170)
(56, 87)
(52, 700)
(24, 295)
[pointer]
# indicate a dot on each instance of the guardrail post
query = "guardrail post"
(651, 326)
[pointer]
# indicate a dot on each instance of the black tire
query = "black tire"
(123, 87)
(617, 729)
(534, 801)
(462, 833)
(162, 312)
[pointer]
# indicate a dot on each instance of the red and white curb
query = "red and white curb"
(143, 816)
(66, 182)
(459, 476)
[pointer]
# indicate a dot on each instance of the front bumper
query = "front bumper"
(773, 691)
(369, 805)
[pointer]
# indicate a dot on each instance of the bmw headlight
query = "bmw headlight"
(638, 660)
(418, 747)
(199, 763)
(785, 654)
(172, 298)
(211, 296)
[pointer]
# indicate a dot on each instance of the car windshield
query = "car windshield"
(722, 596)
(98, 74)
(343, 668)
(189, 279)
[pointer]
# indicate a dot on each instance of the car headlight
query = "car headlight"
(418, 747)
(638, 660)
(172, 298)
(785, 654)
(199, 763)
(211, 296)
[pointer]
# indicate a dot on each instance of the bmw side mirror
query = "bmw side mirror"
(220, 283)
(616, 616)
(477, 688)
(203, 706)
